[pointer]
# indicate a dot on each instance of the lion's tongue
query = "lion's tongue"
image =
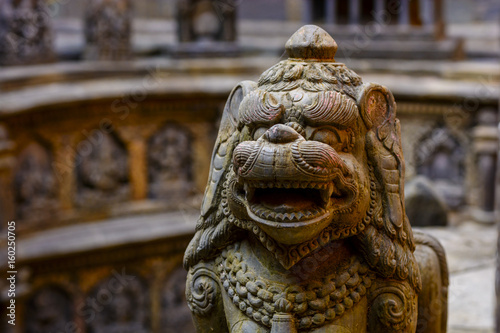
(286, 200)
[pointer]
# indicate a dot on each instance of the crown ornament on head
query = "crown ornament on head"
(311, 43)
(311, 66)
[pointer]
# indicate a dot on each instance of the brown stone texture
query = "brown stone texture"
(303, 225)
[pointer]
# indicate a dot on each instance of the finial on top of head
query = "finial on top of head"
(311, 43)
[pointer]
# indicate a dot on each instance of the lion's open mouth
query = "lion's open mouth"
(290, 201)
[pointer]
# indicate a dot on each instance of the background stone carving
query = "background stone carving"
(108, 29)
(25, 32)
(35, 184)
(125, 309)
(169, 163)
(176, 316)
(441, 157)
(203, 20)
(103, 173)
(48, 311)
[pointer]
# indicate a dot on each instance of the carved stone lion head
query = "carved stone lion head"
(308, 155)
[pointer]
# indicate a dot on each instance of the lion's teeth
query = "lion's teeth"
(249, 192)
(327, 193)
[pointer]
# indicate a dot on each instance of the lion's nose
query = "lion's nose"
(280, 133)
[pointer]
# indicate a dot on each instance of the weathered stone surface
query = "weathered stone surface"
(108, 29)
(25, 32)
(48, 310)
(206, 28)
(424, 206)
(303, 224)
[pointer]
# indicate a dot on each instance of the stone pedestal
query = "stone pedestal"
(206, 28)
(108, 30)
(485, 153)
(25, 32)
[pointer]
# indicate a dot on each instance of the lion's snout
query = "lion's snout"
(283, 154)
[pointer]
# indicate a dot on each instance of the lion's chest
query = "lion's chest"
(256, 296)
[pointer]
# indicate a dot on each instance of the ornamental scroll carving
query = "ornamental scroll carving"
(303, 225)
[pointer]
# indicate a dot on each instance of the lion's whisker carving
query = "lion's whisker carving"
(303, 225)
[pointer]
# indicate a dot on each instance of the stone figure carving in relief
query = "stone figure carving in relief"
(205, 21)
(48, 310)
(35, 184)
(169, 161)
(108, 29)
(303, 225)
(176, 316)
(126, 311)
(25, 32)
(441, 157)
(102, 173)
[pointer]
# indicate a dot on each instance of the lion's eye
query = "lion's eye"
(258, 132)
(328, 136)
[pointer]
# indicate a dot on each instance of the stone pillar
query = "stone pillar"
(25, 32)
(379, 7)
(64, 168)
(294, 10)
(108, 30)
(307, 11)
(354, 11)
(404, 12)
(486, 151)
(427, 9)
(497, 217)
(331, 11)
(136, 140)
(439, 26)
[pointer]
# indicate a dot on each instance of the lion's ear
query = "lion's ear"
(212, 233)
(223, 149)
(388, 241)
(377, 105)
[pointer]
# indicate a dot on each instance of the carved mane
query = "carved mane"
(386, 241)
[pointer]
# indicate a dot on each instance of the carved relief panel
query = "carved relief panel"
(103, 173)
(202, 20)
(25, 32)
(124, 306)
(108, 29)
(176, 316)
(49, 310)
(169, 163)
(441, 157)
(35, 185)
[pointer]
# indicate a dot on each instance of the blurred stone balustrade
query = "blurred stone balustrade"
(103, 164)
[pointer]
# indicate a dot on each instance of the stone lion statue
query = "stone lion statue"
(303, 225)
